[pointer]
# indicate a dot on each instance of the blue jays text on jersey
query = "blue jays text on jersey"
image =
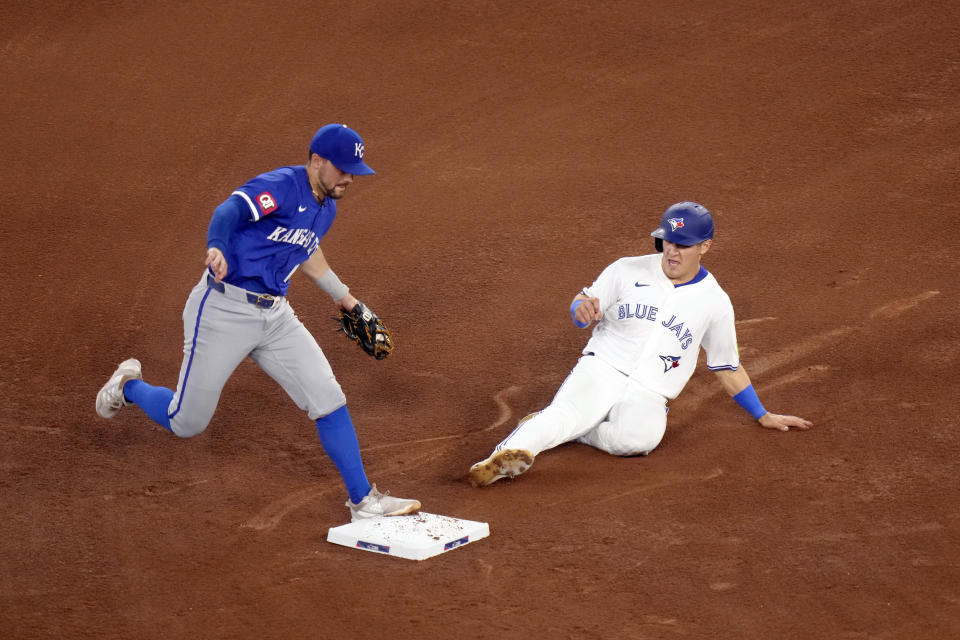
(284, 229)
(649, 312)
(652, 329)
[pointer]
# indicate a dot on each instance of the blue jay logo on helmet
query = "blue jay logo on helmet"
(684, 223)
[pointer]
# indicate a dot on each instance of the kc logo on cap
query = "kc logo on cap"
(342, 146)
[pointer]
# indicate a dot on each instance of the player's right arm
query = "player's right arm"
(216, 263)
(224, 221)
(585, 309)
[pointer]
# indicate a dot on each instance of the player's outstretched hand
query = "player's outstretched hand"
(783, 423)
(216, 263)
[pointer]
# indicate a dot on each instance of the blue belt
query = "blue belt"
(262, 300)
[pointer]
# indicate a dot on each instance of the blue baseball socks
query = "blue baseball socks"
(339, 440)
(155, 401)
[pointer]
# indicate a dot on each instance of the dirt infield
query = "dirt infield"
(519, 148)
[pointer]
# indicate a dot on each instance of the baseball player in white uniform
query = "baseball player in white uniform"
(651, 315)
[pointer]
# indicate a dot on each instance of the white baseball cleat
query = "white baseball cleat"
(110, 397)
(377, 504)
(508, 463)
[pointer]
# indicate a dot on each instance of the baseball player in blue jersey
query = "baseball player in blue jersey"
(257, 238)
(652, 315)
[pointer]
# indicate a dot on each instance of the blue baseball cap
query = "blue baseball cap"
(342, 146)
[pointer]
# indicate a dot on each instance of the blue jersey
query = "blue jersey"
(284, 229)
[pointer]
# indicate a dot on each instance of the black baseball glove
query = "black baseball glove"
(364, 327)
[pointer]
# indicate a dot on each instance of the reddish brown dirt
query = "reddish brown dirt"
(520, 148)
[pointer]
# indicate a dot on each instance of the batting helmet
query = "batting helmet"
(685, 223)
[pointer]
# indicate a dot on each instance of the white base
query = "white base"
(415, 537)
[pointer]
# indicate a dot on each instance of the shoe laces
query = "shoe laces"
(372, 498)
(115, 397)
(375, 493)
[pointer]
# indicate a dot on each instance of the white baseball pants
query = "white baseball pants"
(599, 406)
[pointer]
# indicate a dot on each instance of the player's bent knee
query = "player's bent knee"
(329, 404)
(633, 449)
(628, 452)
(638, 444)
(188, 428)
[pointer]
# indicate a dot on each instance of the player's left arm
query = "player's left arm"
(317, 269)
(357, 321)
(737, 384)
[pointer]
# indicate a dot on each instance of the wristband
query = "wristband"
(750, 402)
(573, 313)
(330, 283)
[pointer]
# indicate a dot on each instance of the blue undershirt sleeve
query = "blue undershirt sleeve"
(225, 220)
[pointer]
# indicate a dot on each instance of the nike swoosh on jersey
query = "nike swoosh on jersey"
(640, 285)
(301, 209)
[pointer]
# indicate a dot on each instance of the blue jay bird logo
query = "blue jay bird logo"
(670, 362)
(676, 223)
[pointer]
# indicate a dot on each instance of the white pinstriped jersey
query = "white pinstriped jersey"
(652, 330)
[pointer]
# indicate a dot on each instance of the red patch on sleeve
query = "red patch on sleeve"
(267, 203)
